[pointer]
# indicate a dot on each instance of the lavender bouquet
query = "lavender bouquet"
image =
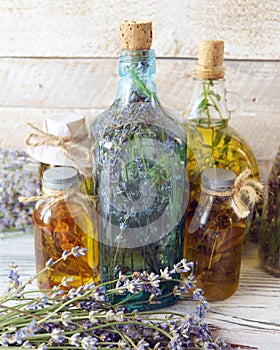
(18, 177)
(83, 318)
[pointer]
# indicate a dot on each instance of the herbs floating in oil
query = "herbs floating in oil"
(139, 155)
(211, 141)
(210, 100)
(216, 248)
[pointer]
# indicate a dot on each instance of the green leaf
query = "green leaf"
(217, 139)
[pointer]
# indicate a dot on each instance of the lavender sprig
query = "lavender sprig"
(82, 318)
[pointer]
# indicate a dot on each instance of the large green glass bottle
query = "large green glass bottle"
(139, 155)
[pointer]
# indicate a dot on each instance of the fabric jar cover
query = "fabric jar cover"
(63, 125)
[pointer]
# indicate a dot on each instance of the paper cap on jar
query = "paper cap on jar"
(69, 125)
(210, 60)
(136, 35)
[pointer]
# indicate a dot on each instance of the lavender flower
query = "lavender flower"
(89, 343)
(78, 251)
(75, 339)
(57, 335)
(26, 345)
(49, 263)
(66, 318)
(142, 345)
(5, 339)
(14, 277)
(165, 274)
(182, 267)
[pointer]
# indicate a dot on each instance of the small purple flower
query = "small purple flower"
(14, 277)
(110, 316)
(78, 251)
(89, 343)
(57, 335)
(65, 254)
(27, 345)
(5, 339)
(75, 340)
(202, 308)
(182, 267)
(49, 263)
(142, 345)
(154, 280)
(19, 337)
(198, 294)
(66, 318)
(93, 320)
(131, 286)
(99, 294)
(165, 274)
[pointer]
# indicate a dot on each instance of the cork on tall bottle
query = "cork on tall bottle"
(210, 60)
(136, 35)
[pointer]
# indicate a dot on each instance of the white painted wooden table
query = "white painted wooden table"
(250, 318)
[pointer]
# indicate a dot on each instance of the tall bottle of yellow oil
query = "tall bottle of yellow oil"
(211, 141)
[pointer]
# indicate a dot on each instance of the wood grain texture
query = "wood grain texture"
(92, 83)
(90, 28)
(32, 89)
(251, 317)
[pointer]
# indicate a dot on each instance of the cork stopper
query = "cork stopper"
(210, 60)
(136, 35)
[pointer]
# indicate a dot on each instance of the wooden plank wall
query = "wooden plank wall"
(61, 55)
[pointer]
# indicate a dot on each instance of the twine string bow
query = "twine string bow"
(69, 148)
(57, 196)
(244, 194)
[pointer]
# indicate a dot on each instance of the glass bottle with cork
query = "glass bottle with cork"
(139, 155)
(62, 220)
(214, 231)
(211, 141)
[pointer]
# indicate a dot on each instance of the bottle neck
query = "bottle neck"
(208, 106)
(137, 69)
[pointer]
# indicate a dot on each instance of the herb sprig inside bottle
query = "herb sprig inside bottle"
(210, 100)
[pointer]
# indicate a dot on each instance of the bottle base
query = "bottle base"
(143, 301)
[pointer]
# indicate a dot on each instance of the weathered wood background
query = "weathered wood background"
(62, 55)
(58, 55)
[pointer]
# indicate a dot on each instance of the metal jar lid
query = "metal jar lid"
(60, 178)
(217, 179)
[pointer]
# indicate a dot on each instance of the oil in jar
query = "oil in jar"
(60, 225)
(214, 237)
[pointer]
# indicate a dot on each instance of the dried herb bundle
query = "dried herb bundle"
(83, 318)
(269, 236)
